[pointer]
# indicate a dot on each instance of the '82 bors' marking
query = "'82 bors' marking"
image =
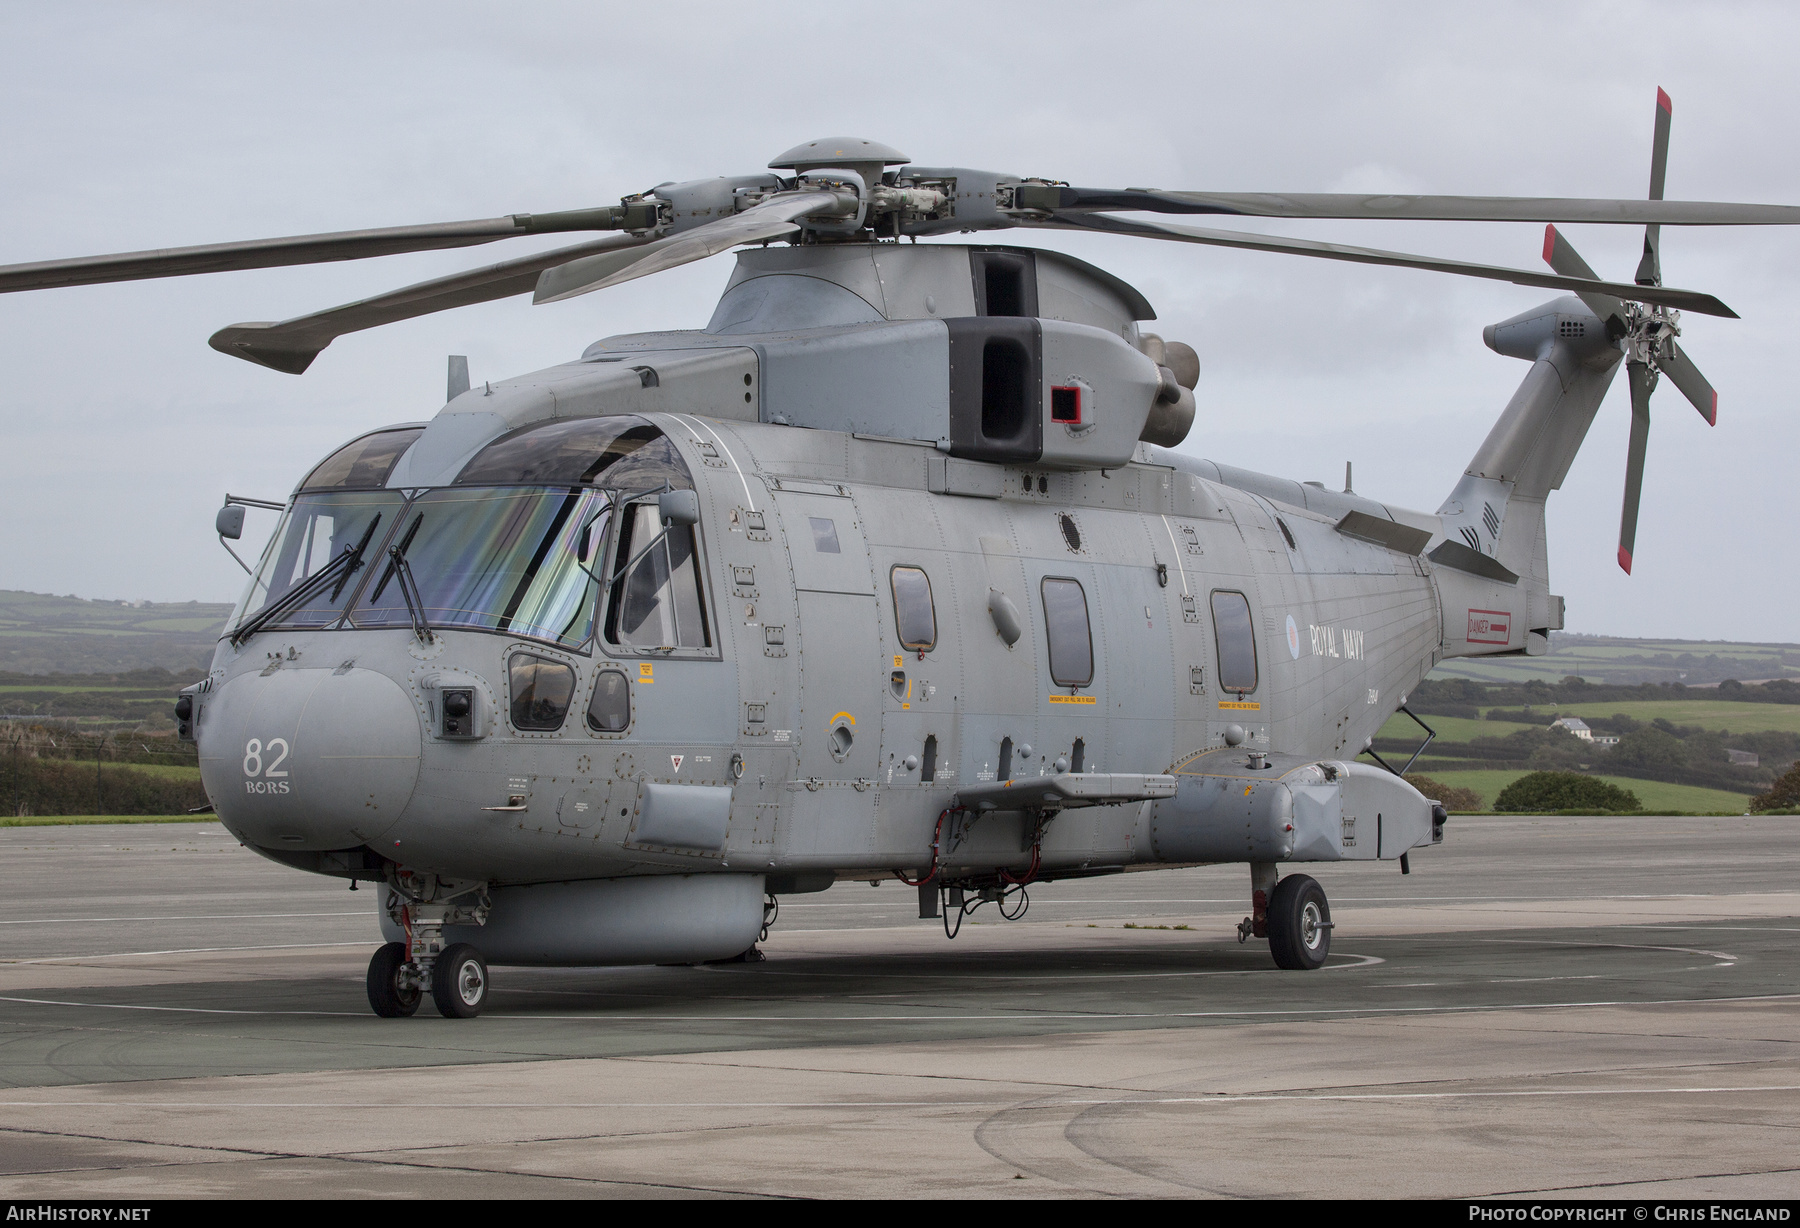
(273, 774)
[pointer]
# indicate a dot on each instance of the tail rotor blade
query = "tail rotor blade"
(1560, 255)
(1649, 272)
(1694, 386)
(1643, 380)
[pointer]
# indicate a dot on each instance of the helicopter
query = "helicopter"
(890, 570)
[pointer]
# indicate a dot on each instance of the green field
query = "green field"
(45, 634)
(1618, 660)
(1458, 728)
(168, 771)
(1654, 794)
(1708, 714)
(1731, 717)
(67, 820)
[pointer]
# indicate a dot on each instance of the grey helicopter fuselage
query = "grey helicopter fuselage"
(934, 554)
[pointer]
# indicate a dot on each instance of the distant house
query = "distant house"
(1744, 758)
(1576, 726)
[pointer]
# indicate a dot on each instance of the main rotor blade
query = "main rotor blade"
(1643, 382)
(298, 249)
(1649, 272)
(291, 345)
(1687, 300)
(772, 220)
(1561, 255)
(1694, 386)
(1056, 199)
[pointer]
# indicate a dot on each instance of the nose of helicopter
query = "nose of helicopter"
(309, 759)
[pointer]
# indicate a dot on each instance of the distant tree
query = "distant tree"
(1652, 747)
(1450, 797)
(1564, 791)
(1783, 796)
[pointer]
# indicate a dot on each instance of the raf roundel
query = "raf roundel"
(1293, 634)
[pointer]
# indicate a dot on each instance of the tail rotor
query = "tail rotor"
(1646, 333)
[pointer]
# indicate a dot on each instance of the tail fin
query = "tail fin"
(1493, 522)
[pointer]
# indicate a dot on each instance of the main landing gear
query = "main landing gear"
(401, 972)
(1292, 914)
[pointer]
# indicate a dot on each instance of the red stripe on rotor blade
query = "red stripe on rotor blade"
(1663, 104)
(1550, 244)
(1625, 559)
(1712, 418)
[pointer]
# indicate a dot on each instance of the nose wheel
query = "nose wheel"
(393, 993)
(459, 981)
(457, 977)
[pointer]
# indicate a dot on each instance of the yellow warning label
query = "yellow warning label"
(1240, 705)
(897, 662)
(1073, 699)
(645, 671)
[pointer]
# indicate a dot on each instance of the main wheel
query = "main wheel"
(389, 995)
(1299, 923)
(459, 982)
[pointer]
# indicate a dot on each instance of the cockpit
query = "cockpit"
(554, 532)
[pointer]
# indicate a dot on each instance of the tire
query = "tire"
(459, 982)
(388, 997)
(1299, 924)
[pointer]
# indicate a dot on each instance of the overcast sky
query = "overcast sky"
(131, 126)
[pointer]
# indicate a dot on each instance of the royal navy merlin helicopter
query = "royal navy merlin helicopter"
(886, 571)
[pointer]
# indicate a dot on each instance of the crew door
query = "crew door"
(839, 645)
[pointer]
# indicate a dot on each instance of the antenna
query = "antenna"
(1347, 488)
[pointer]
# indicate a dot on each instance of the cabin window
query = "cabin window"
(541, 691)
(915, 618)
(1066, 623)
(1236, 640)
(609, 711)
(825, 538)
(654, 597)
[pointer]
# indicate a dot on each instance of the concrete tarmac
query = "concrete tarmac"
(1545, 1007)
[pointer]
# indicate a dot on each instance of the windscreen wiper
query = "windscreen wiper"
(409, 588)
(337, 573)
(393, 566)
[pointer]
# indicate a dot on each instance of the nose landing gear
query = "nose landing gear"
(401, 972)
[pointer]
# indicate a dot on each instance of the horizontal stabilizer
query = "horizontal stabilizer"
(1067, 791)
(1383, 532)
(1459, 556)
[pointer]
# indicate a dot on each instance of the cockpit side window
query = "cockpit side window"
(654, 597)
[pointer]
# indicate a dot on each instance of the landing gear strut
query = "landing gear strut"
(1292, 914)
(400, 972)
